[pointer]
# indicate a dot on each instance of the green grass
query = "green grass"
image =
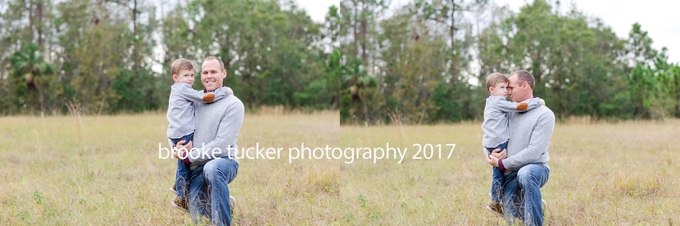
(105, 170)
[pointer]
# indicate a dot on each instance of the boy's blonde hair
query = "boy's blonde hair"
(181, 64)
(495, 78)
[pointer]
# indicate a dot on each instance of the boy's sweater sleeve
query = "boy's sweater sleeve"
(227, 134)
(507, 106)
(185, 91)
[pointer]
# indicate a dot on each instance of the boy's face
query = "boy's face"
(184, 76)
(500, 89)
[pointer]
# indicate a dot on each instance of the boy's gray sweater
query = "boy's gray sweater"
(495, 124)
(530, 134)
(217, 128)
(181, 108)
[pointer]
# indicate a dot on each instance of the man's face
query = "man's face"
(516, 89)
(212, 75)
(184, 76)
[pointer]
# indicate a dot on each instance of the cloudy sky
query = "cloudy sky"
(658, 17)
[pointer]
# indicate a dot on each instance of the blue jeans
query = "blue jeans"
(208, 190)
(497, 177)
(182, 174)
(522, 194)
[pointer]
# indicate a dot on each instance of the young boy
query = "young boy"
(181, 118)
(495, 127)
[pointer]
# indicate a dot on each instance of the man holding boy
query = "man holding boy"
(525, 161)
(213, 151)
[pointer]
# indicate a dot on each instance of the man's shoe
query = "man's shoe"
(544, 206)
(495, 207)
(232, 204)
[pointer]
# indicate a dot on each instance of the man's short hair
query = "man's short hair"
(181, 64)
(214, 58)
(495, 78)
(525, 76)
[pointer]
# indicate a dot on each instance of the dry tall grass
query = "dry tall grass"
(611, 174)
(106, 170)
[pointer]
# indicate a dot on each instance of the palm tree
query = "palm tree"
(29, 73)
(357, 80)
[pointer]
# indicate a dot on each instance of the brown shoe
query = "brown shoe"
(495, 207)
(181, 204)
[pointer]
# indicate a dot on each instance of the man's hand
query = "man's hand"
(495, 155)
(181, 151)
(498, 154)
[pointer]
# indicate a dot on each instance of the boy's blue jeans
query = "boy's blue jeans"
(497, 177)
(181, 176)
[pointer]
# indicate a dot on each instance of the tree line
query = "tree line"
(111, 56)
(377, 62)
(426, 62)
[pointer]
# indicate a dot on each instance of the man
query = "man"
(526, 166)
(213, 160)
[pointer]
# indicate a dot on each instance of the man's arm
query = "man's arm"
(227, 134)
(540, 140)
(185, 91)
(507, 106)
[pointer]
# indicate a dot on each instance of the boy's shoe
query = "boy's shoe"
(232, 204)
(184, 205)
(496, 208)
(181, 204)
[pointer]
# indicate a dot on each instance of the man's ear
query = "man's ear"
(224, 71)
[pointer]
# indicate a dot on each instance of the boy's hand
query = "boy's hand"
(542, 102)
(230, 91)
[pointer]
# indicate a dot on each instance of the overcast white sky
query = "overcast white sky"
(659, 17)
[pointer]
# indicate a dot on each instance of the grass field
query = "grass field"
(106, 170)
